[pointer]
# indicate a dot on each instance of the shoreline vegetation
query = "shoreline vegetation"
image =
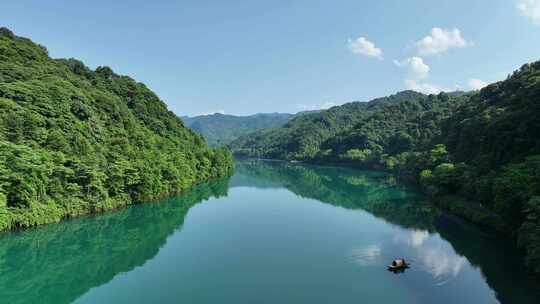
(471, 211)
(76, 141)
(476, 154)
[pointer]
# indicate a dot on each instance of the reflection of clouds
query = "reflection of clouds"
(418, 237)
(414, 238)
(439, 262)
(434, 255)
(367, 255)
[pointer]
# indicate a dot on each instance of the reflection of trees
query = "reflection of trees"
(379, 194)
(375, 192)
(59, 263)
(497, 258)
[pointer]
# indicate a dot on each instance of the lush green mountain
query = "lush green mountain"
(477, 154)
(493, 144)
(75, 141)
(220, 129)
(302, 137)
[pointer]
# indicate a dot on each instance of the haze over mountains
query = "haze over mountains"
(221, 129)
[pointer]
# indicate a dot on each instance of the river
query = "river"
(272, 233)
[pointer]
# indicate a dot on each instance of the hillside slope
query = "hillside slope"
(303, 136)
(75, 141)
(220, 129)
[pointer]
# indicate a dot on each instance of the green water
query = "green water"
(273, 233)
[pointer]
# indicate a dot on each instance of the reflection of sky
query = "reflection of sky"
(429, 253)
(439, 262)
(367, 255)
(433, 255)
(418, 237)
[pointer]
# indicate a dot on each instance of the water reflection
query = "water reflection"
(415, 238)
(366, 255)
(432, 255)
(61, 263)
(58, 263)
(440, 245)
(372, 191)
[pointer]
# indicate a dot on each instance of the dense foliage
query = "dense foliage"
(477, 154)
(220, 129)
(75, 141)
(304, 136)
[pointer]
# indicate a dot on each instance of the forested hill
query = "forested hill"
(301, 138)
(477, 154)
(75, 141)
(220, 129)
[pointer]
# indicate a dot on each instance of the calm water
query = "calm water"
(273, 233)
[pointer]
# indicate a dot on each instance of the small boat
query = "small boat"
(398, 265)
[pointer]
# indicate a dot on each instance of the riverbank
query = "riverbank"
(16, 219)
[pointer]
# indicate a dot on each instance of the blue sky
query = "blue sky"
(244, 57)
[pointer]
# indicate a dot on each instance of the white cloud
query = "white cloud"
(416, 66)
(362, 46)
(440, 41)
(530, 9)
(426, 88)
(477, 84)
(417, 71)
(313, 107)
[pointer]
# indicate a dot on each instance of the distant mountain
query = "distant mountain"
(456, 93)
(301, 138)
(220, 129)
